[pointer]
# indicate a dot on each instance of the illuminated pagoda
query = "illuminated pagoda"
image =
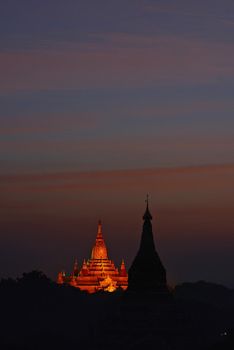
(98, 273)
(147, 273)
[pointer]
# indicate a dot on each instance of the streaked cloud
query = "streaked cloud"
(168, 60)
(41, 123)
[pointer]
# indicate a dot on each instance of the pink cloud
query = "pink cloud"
(127, 146)
(42, 123)
(179, 109)
(120, 60)
(112, 175)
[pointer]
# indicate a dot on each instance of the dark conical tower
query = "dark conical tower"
(147, 273)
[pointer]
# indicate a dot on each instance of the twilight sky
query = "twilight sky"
(102, 102)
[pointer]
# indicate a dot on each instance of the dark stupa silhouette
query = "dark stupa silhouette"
(147, 273)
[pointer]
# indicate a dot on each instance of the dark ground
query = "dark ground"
(36, 313)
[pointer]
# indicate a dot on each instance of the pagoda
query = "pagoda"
(98, 273)
(147, 273)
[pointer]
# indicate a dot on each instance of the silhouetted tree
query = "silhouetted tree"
(34, 277)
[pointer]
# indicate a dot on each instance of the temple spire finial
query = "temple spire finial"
(99, 233)
(147, 214)
(75, 268)
(147, 201)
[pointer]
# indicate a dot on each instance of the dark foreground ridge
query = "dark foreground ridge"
(36, 313)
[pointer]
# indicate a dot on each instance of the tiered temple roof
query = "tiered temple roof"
(99, 272)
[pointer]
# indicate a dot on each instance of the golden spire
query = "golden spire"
(99, 233)
(123, 271)
(76, 268)
(99, 250)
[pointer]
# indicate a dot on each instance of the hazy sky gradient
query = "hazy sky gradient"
(102, 102)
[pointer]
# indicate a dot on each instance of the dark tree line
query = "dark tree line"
(36, 313)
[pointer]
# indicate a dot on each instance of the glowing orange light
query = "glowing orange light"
(99, 272)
